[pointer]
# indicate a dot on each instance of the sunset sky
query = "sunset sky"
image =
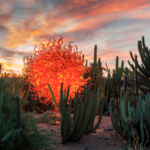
(115, 26)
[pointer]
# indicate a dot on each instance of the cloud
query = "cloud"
(114, 26)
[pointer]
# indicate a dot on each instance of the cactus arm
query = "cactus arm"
(95, 56)
(71, 118)
(117, 62)
(84, 125)
(141, 129)
(75, 104)
(53, 98)
(87, 97)
(122, 64)
(141, 52)
(61, 98)
(129, 110)
(80, 122)
(90, 109)
(123, 109)
(115, 125)
(99, 119)
(75, 122)
(66, 126)
(63, 120)
(94, 112)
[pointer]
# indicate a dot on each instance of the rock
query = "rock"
(110, 128)
(106, 138)
(58, 122)
(58, 115)
(99, 137)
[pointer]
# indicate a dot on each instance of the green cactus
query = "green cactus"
(116, 82)
(143, 72)
(11, 136)
(82, 122)
(131, 120)
(96, 78)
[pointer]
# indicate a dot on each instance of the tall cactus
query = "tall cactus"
(116, 82)
(96, 77)
(82, 122)
(143, 72)
(95, 73)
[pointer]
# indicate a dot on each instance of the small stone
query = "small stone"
(58, 115)
(106, 138)
(99, 137)
(111, 128)
(116, 135)
(111, 134)
(108, 143)
(58, 122)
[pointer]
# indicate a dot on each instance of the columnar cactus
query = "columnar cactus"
(82, 121)
(116, 82)
(131, 121)
(143, 72)
(96, 77)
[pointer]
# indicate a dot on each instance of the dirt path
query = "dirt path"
(105, 137)
(101, 140)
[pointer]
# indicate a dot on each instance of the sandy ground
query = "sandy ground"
(103, 139)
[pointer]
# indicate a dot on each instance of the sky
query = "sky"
(115, 26)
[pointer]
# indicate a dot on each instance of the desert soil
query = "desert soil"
(105, 137)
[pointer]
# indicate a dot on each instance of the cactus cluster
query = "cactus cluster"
(131, 121)
(143, 72)
(82, 121)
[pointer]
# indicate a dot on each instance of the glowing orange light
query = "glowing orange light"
(54, 66)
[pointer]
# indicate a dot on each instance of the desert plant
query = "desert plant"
(82, 122)
(15, 130)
